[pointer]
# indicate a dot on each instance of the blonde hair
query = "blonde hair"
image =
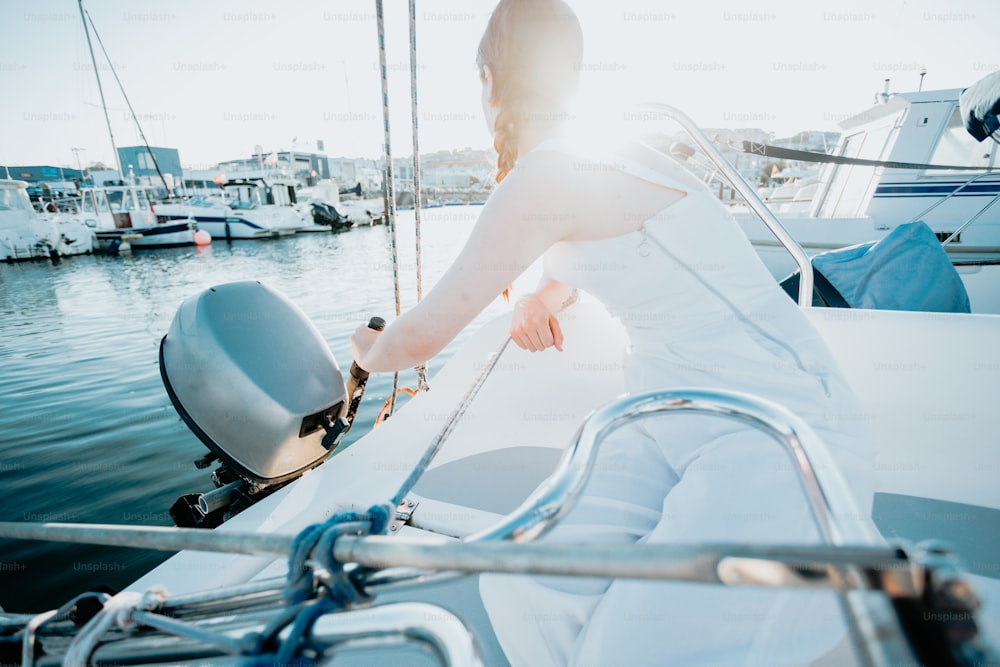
(533, 49)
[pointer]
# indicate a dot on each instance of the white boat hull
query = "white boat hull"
(927, 385)
(170, 234)
(237, 228)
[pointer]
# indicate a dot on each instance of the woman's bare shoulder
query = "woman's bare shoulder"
(587, 194)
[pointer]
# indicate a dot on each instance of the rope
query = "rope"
(383, 413)
(422, 368)
(135, 117)
(416, 141)
(388, 185)
(390, 404)
(340, 588)
(100, 90)
(449, 426)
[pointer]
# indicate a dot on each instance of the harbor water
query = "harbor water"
(87, 432)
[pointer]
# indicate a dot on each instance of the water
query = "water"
(87, 432)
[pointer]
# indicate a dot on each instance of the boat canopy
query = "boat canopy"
(981, 106)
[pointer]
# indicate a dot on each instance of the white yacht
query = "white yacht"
(24, 234)
(249, 208)
(473, 486)
(122, 217)
(905, 138)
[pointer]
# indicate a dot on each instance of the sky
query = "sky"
(216, 78)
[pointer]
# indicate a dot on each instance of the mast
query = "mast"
(145, 142)
(100, 89)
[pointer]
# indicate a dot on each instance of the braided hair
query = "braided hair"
(533, 49)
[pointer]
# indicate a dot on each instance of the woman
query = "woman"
(635, 230)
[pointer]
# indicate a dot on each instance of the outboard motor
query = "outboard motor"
(253, 378)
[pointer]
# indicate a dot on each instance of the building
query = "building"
(457, 169)
(45, 181)
(138, 162)
(305, 167)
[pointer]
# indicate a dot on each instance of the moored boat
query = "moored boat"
(502, 421)
(24, 234)
(909, 158)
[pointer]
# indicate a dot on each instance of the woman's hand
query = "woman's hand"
(361, 342)
(533, 326)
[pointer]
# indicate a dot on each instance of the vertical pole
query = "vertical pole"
(100, 89)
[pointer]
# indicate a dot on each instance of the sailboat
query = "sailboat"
(123, 215)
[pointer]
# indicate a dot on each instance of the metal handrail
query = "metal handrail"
(870, 625)
(739, 184)
(825, 488)
(863, 571)
(427, 626)
(827, 493)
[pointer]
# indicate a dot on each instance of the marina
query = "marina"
(81, 382)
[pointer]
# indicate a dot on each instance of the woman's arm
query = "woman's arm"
(555, 295)
(534, 326)
(520, 221)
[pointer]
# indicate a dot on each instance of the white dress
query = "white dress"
(701, 310)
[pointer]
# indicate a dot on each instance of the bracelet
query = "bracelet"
(521, 301)
(573, 297)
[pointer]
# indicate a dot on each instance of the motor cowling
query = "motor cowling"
(254, 379)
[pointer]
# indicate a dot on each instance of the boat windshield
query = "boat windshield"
(199, 200)
(14, 199)
(242, 196)
(958, 147)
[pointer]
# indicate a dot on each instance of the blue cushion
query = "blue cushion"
(906, 270)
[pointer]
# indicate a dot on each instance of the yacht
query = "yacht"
(454, 486)
(122, 217)
(24, 234)
(248, 208)
(905, 159)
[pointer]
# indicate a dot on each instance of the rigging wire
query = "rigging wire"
(388, 185)
(138, 125)
(100, 89)
(388, 193)
(422, 368)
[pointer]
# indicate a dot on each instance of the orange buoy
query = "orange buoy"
(201, 237)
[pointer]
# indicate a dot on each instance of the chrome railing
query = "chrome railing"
(873, 629)
(753, 200)
(825, 488)
(867, 575)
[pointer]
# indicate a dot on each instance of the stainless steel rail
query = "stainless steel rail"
(753, 200)
(825, 488)
(873, 627)
(855, 562)
(391, 626)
